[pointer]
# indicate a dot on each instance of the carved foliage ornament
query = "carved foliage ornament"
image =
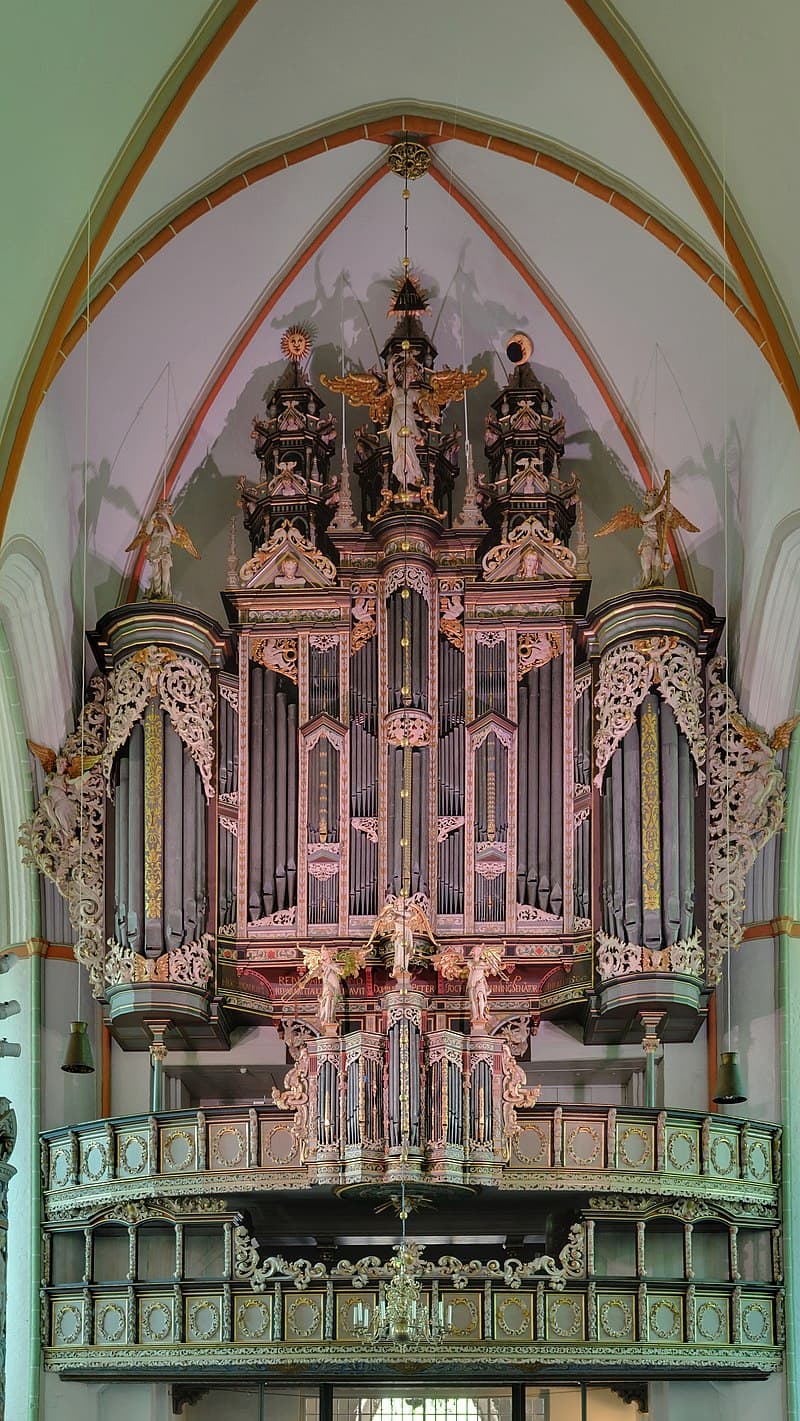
(184, 687)
(457, 1272)
(627, 673)
(64, 838)
(616, 958)
(190, 964)
(745, 807)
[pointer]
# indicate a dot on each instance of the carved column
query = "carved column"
(8, 1135)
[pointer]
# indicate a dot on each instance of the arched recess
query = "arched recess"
(168, 477)
(28, 612)
(769, 699)
(19, 901)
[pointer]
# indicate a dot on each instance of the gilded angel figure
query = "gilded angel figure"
(657, 517)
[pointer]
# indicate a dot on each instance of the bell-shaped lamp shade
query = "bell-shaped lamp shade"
(78, 1057)
(730, 1086)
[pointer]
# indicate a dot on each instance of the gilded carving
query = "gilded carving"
(277, 653)
(627, 672)
(529, 552)
(184, 688)
(650, 811)
(745, 808)
(535, 649)
(189, 963)
(616, 958)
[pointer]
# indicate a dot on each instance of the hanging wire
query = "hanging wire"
(725, 549)
(85, 541)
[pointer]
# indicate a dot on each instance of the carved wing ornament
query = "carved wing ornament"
(362, 387)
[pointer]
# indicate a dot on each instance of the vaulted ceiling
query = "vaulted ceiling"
(618, 181)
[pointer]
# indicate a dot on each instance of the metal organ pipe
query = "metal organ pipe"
(540, 777)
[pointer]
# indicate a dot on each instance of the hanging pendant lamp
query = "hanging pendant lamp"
(78, 1059)
(730, 1084)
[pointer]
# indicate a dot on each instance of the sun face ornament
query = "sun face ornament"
(296, 343)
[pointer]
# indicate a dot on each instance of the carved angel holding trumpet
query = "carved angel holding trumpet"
(157, 535)
(332, 968)
(397, 399)
(657, 517)
(481, 962)
(400, 922)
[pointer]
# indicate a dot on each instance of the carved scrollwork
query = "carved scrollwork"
(746, 806)
(294, 1097)
(184, 687)
(403, 576)
(64, 837)
(616, 958)
(627, 673)
(408, 727)
(189, 964)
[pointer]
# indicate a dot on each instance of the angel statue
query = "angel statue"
(399, 922)
(332, 968)
(60, 798)
(762, 802)
(406, 391)
(156, 536)
(656, 518)
(482, 962)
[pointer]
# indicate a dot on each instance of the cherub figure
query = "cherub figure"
(157, 536)
(60, 799)
(656, 518)
(399, 922)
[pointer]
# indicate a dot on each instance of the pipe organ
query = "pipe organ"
(413, 763)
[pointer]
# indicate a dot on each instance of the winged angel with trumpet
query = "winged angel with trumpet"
(656, 518)
(396, 399)
(157, 536)
(481, 963)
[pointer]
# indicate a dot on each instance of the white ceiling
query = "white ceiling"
(641, 322)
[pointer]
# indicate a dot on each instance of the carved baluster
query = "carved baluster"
(691, 1330)
(611, 1139)
(733, 1250)
(688, 1267)
(111, 1151)
(202, 1141)
(132, 1253)
(540, 1319)
(227, 1234)
(736, 1319)
(277, 1311)
(661, 1122)
(328, 1326)
(252, 1138)
(74, 1158)
(641, 1270)
(558, 1137)
(152, 1131)
(591, 1311)
(777, 1256)
(227, 1313)
(177, 1327)
(44, 1163)
(178, 1249)
(641, 1311)
(589, 1247)
(130, 1328)
(488, 1317)
(705, 1138)
(777, 1163)
(87, 1255)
